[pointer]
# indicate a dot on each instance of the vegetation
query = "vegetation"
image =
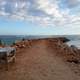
(1, 42)
(13, 43)
(23, 39)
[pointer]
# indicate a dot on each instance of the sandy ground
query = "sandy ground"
(38, 63)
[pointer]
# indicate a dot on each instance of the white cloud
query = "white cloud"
(49, 8)
(51, 11)
(73, 3)
(2, 13)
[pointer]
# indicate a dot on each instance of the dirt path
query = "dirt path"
(37, 63)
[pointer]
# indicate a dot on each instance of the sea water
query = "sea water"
(8, 40)
(74, 40)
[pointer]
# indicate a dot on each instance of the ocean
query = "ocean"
(74, 40)
(10, 39)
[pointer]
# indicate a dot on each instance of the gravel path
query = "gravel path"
(38, 63)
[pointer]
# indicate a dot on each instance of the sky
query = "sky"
(39, 17)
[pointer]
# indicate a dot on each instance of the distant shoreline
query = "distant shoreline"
(10, 39)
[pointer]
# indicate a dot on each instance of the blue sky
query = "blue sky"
(24, 28)
(39, 17)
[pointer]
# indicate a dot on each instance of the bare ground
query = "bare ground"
(38, 63)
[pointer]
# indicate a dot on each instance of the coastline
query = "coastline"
(43, 50)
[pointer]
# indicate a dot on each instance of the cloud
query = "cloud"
(73, 3)
(49, 8)
(43, 12)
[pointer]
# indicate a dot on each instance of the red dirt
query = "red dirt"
(38, 63)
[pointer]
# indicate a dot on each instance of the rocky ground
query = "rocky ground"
(42, 60)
